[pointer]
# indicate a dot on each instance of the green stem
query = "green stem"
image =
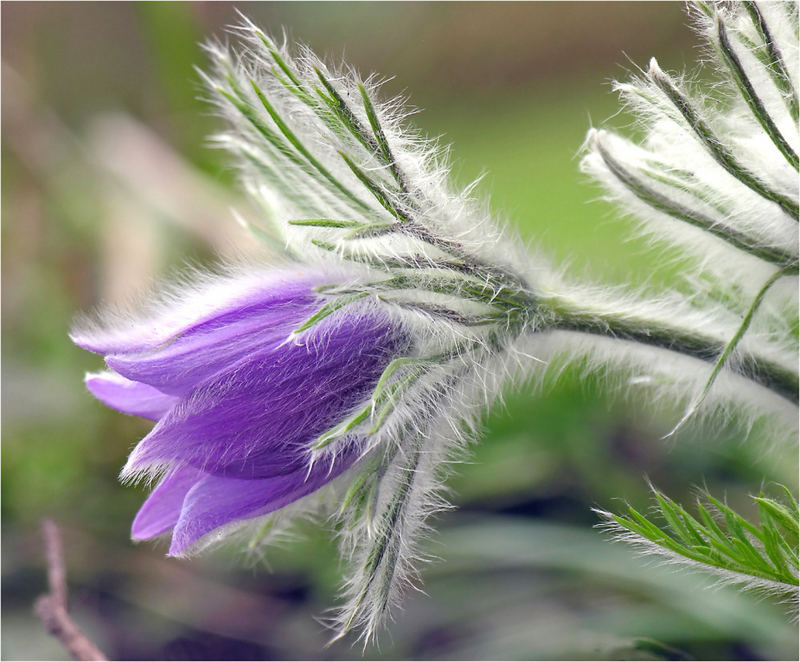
(658, 333)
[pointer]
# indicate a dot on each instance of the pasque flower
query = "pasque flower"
(379, 359)
(237, 396)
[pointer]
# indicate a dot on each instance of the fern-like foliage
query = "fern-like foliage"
(720, 541)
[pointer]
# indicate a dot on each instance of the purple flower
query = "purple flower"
(237, 399)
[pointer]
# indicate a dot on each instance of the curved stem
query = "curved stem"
(663, 334)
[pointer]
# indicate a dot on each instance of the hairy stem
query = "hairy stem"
(671, 336)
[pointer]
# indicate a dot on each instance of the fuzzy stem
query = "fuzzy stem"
(660, 333)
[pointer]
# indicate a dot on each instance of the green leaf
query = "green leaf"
(326, 223)
(706, 135)
(669, 205)
(780, 513)
(763, 556)
(301, 148)
(731, 346)
(751, 97)
(330, 308)
(380, 137)
(773, 59)
(345, 115)
(374, 188)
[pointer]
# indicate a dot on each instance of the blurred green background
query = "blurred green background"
(107, 184)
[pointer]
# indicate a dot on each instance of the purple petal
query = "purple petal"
(161, 511)
(129, 397)
(215, 501)
(256, 420)
(192, 358)
(212, 305)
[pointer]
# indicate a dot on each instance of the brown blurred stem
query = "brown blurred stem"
(51, 608)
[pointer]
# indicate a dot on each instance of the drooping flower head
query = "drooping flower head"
(238, 397)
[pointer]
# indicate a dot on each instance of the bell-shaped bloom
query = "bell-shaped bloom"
(238, 399)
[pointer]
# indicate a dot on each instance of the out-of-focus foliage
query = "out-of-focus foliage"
(107, 184)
